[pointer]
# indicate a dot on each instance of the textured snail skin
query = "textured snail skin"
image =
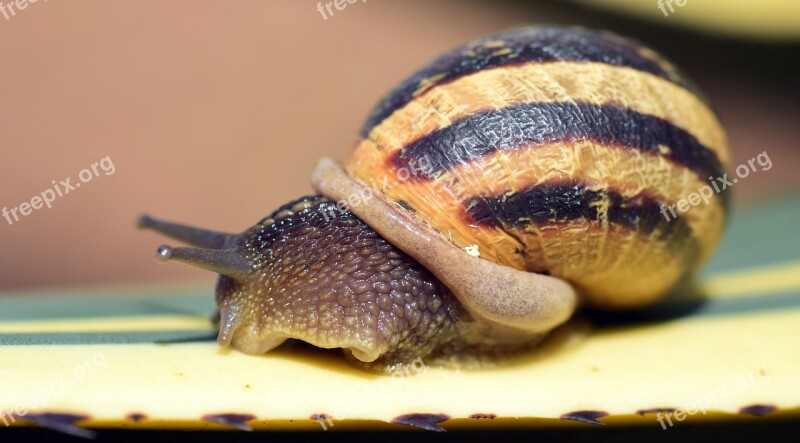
(315, 272)
(325, 277)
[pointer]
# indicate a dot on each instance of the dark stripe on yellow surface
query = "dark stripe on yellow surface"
(532, 45)
(691, 308)
(108, 338)
(530, 124)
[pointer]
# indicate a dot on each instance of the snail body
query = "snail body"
(499, 187)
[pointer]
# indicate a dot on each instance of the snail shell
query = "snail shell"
(553, 151)
(487, 197)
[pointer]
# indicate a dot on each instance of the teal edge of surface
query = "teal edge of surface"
(759, 235)
(657, 314)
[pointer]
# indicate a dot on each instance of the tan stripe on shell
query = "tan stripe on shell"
(594, 83)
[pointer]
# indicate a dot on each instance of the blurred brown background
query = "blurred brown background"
(214, 112)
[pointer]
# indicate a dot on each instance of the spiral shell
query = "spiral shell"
(556, 151)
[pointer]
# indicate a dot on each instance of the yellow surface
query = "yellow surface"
(772, 279)
(774, 19)
(151, 323)
(675, 364)
(191, 380)
(747, 330)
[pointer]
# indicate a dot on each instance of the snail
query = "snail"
(488, 196)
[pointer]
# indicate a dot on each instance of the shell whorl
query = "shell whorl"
(553, 150)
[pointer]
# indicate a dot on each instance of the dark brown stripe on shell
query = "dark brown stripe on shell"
(531, 124)
(559, 202)
(530, 45)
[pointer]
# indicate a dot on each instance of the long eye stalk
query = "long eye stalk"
(215, 251)
(202, 238)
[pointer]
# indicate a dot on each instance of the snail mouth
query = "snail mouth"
(262, 332)
(227, 327)
(364, 355)
(258, 345)
(233, 333)
(254, 340)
